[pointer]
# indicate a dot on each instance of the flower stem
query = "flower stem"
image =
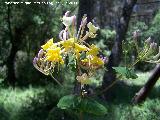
(56, 80)
(81, 115)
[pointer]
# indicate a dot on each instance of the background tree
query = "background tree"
(121, 29)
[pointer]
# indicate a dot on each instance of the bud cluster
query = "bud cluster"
(149, 52)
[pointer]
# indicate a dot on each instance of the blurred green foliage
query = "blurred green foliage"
(40, 103)
(41, 22)
(38, 23)
(154, 28)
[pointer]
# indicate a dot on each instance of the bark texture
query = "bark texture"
(15, 34)
(121, 30)
(10, 60)
(85, 7)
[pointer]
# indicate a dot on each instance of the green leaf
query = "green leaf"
(72, 63)
(66, 102)
(131, 74)
(83, 55)
(92, 107)
(84, 105)
(125, 72)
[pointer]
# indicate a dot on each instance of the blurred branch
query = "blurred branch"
(152, 2)
(116, 53)
(142, 94)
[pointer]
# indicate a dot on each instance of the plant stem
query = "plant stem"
(78, 70)
(134, 63)
(56, 80)
(106, 89)
(81, 115)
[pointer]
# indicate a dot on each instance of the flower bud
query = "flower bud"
(153, 45)
(136, 34)
(74, 20)
(84, 21)
(64, 35)
(35, 60)
(67, 13)
(149, 40)
(60, 35)
(92, 28)
(67, 21)
(105, 59)
(40, 53)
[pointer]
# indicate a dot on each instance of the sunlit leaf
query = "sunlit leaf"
(66, 102)
(125, 72)
(92, 107)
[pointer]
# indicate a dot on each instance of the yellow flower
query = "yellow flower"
(93, 61)
(68, 44)
(80, 48)
(96, 60)
(85, 60)
(54, 55)
(84, 79)
(94, 50)
(48, 44)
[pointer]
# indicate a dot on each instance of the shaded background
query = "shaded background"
(24, 28)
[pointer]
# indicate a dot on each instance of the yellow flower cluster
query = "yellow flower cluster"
(48, 44)
(94, 50)
(92, 57)
(68, 44)
(55, 54)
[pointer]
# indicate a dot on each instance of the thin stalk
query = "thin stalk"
(131, 66)
(136, 45)
(106, 89)
(56, 80)
(81, 115)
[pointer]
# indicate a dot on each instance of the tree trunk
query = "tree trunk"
(121, 30)
(144, 91)
(11, 77)
(15, 40)
(85, 7)
(10, 60)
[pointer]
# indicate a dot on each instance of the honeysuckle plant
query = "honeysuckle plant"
(86, 60)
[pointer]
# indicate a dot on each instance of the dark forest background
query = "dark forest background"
(27, 94)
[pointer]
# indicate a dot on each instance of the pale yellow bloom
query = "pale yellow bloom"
(79, 48)
(94, 50)
(84, 79)
(68, 44)
(92, 28)
(96, 60)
